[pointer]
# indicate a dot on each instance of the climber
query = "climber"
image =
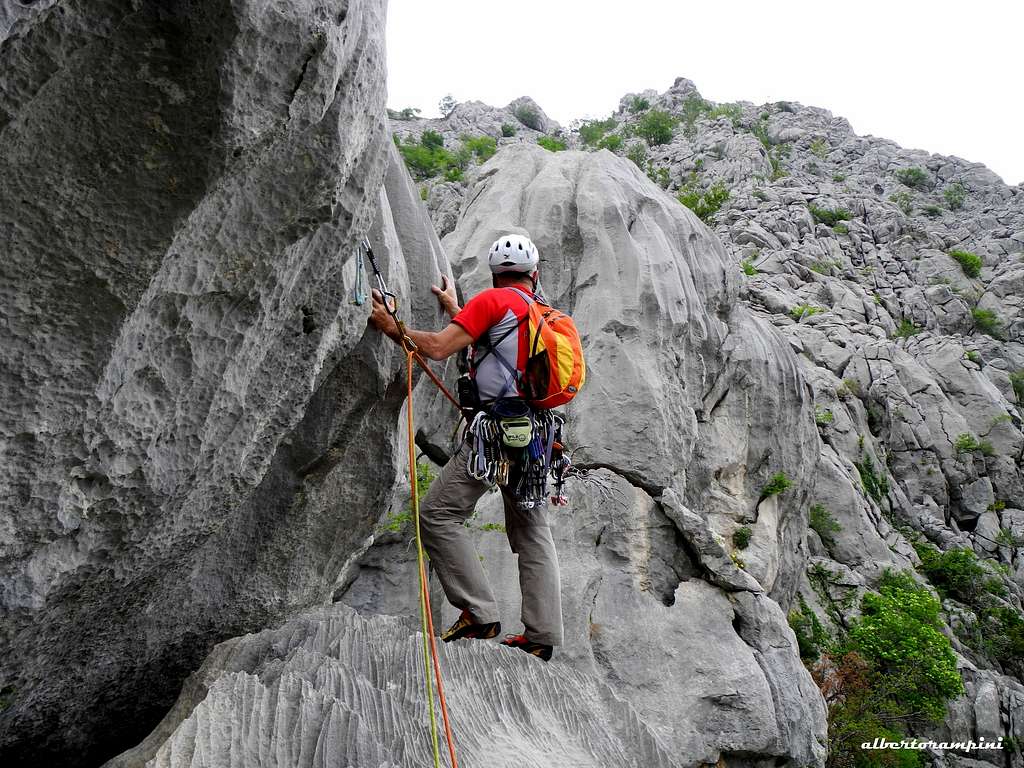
(487, 321)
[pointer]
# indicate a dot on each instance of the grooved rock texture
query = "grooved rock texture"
(691, 404)
(332, 688)
(182, 189)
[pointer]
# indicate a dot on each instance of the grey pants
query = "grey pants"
(447, 505)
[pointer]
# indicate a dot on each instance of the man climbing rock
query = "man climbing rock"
(493, 322)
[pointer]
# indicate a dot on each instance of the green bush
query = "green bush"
(637, 152)
(778, 483)
(974, 356)
(528, 116)
(741, 537)
(932, 211)
(819, 147)
(422, 161)
(639, 104)
(693, 107)
(732, 111)
(987, 322)
(968, 443)
(551, 144)
(432, 139)
(957, 573)
(801, 311)
(829, 216)
(591, 131)
(424, 192)
(611, 142)
(969, 262)
(955, 194)
(1017, 381)
(454, 173)
(656, 127)
(904, 201)
(703, 202)
(906, 329)
(916, 178)
(823, 417)
(899, 634)
(874, 483)
(811, 636)
(483, 147)
(841, 229)
(838, 177)
(508, 130)
(659, 175)
(749, 269)
(822, 523)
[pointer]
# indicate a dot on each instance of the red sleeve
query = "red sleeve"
(481, 312)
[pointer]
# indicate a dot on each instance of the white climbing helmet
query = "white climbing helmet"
(513, 253)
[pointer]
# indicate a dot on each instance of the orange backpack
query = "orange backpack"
(555, 370)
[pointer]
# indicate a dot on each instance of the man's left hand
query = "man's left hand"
(379, 317)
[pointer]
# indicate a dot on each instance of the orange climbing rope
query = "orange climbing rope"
(425, 612)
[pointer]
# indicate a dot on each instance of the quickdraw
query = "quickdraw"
(524, 471)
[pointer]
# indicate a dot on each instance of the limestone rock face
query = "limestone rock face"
(332, 688)
(182, 191)
(691, 404)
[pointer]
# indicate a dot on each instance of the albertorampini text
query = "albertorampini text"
(880, 743)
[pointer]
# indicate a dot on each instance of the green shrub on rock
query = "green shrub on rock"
(551, 144)
(970, 262)
(955, 194)
(703, 202)
(829, 216)
(656, 127)
(914, 177)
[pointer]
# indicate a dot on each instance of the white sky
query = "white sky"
(941, 76)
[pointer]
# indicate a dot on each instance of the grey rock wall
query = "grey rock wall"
(691, 404)
(182, 191)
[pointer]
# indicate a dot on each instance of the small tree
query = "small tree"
(447, 105)
(656, 127)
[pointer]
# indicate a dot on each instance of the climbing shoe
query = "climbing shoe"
(465, 627)
(536, 649)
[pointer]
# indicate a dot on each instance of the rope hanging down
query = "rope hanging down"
(426, 619)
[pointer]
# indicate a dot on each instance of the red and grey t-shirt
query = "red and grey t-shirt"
(495, 311)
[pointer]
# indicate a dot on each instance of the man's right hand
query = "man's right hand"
(446, 296)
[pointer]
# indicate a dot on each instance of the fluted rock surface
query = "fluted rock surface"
(332, 688)
(181, 192)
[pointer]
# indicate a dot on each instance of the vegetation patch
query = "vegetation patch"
(822, 523)
(528, 116)
(396, 521)
(508, 130)
(656, 127)
(639, 104)
(986, 321)
(968, 443)
(914, 177)
(1017, 381)
(741, 537)
(955, 194)
(904, 201)
(778, 483)
(874, 482)
(906, 329)
(591, 131)
(969, 262)
(829, 216)
(703, 202)
(551, 144)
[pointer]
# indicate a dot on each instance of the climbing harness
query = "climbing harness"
(516, 447)
(426, 618)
